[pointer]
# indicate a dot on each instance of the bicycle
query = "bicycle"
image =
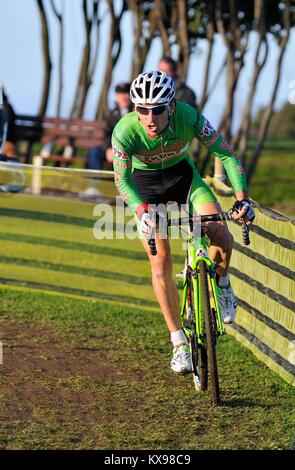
(200, 313)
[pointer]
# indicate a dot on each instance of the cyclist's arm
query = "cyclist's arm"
(122, 162)
(240, 195)
(217, 145)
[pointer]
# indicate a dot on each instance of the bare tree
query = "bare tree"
(145, 16)
(236, 42)
(209, 20)
(96, 24)
(84, 79)
(267, 115)
(182, 39)
(85, 75)
(242, 135)
(162, 19)
(113, 53)
(210, 41)
(59, 17)
(46, 59)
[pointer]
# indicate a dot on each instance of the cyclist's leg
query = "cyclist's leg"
(167, 296)
(155, 189)
(202, 201)
(163, 283)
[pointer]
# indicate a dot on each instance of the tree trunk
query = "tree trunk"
(59, 17)
(46, 58)
(204, 98)
(115, 42)
(210, 41)
(89, 68)
(184, 49)
(266, 118)
(138, 19)
(79, 98)
(243, 133)
(241, 138)
(96, 23)
(161, 15)
(236, 42)
(141, 43)
(225, 125)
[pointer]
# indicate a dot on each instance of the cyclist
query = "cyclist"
(152, 166)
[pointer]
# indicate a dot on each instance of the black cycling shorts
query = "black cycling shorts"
(162, 186)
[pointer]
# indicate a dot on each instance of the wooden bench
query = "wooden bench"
(28, 130)
(61, 133)
(69, 136)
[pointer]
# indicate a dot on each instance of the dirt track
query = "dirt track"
(37, 364)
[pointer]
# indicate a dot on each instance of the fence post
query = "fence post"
(37, 176)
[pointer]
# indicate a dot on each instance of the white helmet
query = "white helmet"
(152, 88)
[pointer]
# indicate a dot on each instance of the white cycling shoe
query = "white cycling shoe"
(227, 303)
(181, 360)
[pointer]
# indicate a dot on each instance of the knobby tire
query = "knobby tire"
(210, 336)
(198, 354)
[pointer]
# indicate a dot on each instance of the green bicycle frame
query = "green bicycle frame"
(195, 255)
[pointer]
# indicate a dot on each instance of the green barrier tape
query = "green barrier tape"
(264, 280)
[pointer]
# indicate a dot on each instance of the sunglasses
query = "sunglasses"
(156, 110)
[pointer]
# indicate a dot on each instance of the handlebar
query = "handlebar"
(201, 219)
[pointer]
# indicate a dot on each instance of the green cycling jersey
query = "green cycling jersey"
(133, 148)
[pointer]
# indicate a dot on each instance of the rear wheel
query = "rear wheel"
(210, 333)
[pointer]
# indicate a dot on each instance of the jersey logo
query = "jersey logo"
(118, 153)
(171, 151)
(207, 129)
(211, 141)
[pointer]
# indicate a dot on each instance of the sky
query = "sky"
(21, 63)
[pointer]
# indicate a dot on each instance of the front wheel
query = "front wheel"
(210, 335)
(198, 353)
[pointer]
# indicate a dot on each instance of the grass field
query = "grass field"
(274, 179)
(85, 374)
(86, 352)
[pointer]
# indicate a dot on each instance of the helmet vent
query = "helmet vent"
(152, 88)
